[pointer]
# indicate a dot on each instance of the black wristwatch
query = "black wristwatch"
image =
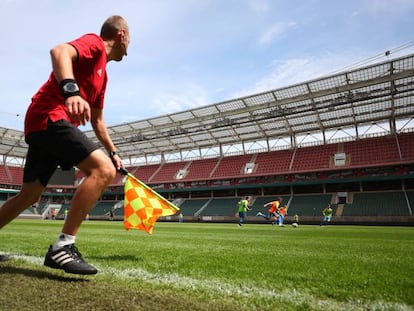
(112, 154)
(69, 88)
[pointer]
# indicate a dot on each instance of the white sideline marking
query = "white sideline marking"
(232, 290)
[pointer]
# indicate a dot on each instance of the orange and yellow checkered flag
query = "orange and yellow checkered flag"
(143, 206)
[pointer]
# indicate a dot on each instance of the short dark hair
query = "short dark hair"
(112, 25)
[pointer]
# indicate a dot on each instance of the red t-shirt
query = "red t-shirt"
(274, 206)
(90, 74)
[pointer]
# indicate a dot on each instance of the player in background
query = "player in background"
(273, 211)
(295, 220)
(243, 207)
(282, 213)
(327, 215)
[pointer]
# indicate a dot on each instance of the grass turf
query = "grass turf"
(213, 267)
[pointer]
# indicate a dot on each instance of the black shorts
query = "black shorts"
(62, 144)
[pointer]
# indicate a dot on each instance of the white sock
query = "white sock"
(63, 239)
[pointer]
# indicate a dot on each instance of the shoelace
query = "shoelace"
(75, 253)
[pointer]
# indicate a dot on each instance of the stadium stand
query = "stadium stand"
(191, 207)
(273, 162)
(102, 208)
(313, 158)
(376, 178)
(378, 204)
(231, 166)
(167, 172)
(16, 174)
(310, 205)
(410, 198)
(201, 169)
(4, 175)
(372, 151)
(406, 146)
(145, 173)
(221, 207)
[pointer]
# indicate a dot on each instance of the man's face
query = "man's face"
(122, 47)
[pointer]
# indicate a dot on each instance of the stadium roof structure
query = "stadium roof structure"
(12, 144)
(381, 93)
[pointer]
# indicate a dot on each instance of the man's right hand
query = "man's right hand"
(78, 109)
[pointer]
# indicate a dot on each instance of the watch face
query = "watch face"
(70, 87)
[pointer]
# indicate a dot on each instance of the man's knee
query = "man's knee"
(108, 172)
(100, 166)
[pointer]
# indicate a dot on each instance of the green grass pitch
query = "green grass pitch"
(202, 266)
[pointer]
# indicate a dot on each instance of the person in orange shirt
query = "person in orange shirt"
(54, 213)
(282, 214)
(273, 211)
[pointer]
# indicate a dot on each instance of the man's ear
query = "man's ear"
(121, 35)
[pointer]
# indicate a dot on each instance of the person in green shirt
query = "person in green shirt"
(180, 217)
(327, 215)
(296, 218)
(295, 222)
(243, 207)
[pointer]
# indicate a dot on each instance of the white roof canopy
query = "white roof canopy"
(379, 93)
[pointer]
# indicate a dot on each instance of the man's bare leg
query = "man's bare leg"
(63, 254)
(99, 172)
(29, 195)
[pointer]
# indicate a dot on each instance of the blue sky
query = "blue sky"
(190, 53)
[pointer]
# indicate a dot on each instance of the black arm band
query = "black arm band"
(69, 88)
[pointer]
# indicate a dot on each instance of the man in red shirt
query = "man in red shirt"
(72, 96)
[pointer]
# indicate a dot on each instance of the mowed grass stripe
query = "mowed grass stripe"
(257, 267)
(290, 297)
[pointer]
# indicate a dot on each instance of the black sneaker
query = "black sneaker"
(69, 259)
(4, 257)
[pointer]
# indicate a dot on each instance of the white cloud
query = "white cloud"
(297, 70)
(395, 6)
(259, 6)
(355, 14)
(275, 31)
(190, 96)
